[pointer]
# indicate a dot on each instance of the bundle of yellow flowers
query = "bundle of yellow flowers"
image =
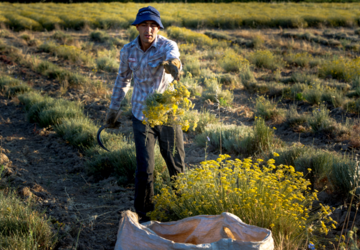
(265, 195)
(168, 108)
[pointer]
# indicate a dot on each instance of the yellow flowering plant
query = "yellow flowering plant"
(265, 195)
(169, 108)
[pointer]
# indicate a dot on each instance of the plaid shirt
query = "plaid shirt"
(149, 75)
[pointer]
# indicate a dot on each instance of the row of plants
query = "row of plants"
(234, 15)
(328, 168)
(69, 121)
(22, 225)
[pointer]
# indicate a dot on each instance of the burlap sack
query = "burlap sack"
(225, 231)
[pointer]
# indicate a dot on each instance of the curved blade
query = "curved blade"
(98, 138)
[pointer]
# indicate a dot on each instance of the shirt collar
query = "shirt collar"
(136, 42)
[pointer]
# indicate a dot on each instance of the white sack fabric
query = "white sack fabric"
(215, 232)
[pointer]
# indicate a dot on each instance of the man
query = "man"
(154, 62)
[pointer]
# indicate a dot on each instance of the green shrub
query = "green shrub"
(233, 62)
(352, 105)
(120, 161)
(297, 91)
(99, 36)
(340, 68)
(192, 85)
(18, 89)
(293, 118)
(55, 72)
(297, 77)
(247, 76)
(240, 139)
(231, 136)
(62, 37)
(189, 36)
(320, 119)
(22, 226)
(12, 87)
(191, 64)
(333, 96)
(265, 59)
(268, 110)
(215, 93)
(7, 81)
(132, 33)
(313, 95)
(26, 37)
(202, 118)
(66, 52)
(49, 111)
(4, 33)
(108, 64)
(261, 140)
(80, 131)
(322, 167)
(23, 23)
(299, 59)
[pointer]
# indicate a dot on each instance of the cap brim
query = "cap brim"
(147, 17)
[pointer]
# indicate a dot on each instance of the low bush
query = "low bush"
(23, 23)
(243, 140)
(247, 76)
(71, 53)
(62, 37)
(192, 85)
(231, 136)
(191, 64)
(120, 161)
(298, 77)
(99, 36)
(352, 105)
(293, 118)
(268, 110)
(214, 92)
(249, 191)
(18, 89)
(326, 168)
(108, 64)
(22, 226)
(232, 62)
(265, 59)
(340, 68)
(12, 87)
(49, 111)
(299, 59)
(132, 33)
(202, 118)
(55, 72)
(189, 36)
(80, 131)
(7, 81)
(320, 119)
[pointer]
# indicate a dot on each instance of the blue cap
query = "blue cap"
(148, 14)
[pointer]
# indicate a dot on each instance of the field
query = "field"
(282, 86)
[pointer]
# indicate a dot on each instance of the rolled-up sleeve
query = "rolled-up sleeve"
(172, 51)
(123, 80)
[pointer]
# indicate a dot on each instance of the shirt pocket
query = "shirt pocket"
(154, 63)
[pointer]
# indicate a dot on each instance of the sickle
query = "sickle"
(98, 138)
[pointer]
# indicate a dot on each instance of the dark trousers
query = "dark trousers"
(145, 139)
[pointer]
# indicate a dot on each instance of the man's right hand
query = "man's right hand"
(110, 118)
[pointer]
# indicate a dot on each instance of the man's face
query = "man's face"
(148, 31)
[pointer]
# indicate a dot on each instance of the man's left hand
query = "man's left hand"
(173, 67)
